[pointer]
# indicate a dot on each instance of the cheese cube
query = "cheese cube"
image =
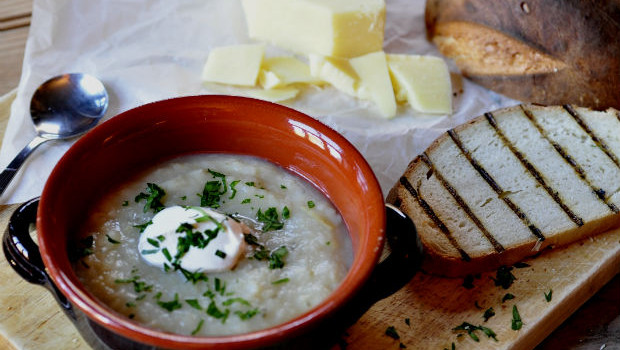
(344, 28)
(285, 70)
(335, 71)
(234, 65)
(423, 81)
(375, 83)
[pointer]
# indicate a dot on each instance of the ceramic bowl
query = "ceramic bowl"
(146, 135)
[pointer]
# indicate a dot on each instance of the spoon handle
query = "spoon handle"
(7, 175)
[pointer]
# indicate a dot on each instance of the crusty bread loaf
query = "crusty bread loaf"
(545, 51)
(507, 184)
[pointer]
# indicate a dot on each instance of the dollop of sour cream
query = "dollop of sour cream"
(160, 241)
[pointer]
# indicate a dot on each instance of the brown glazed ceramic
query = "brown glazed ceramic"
(146, 135)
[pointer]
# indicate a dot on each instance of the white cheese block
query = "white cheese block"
(375, 84)
(335, 71)
(285, 70)
(234, 65)
(423, 81)
(344, 28)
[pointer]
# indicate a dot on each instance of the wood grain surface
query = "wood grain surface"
(423, 312)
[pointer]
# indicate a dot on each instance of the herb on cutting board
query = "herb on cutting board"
(517, 323)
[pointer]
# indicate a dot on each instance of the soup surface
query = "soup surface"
(296, 253)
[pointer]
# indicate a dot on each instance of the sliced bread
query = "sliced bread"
(507, 184)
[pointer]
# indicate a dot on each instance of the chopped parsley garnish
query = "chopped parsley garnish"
(504, 277)
(153, 242)
(233, 190)
(193, 277)
(311, 204)
(508, 296)
(280, 281)
(143, 226)
(193, 303)
(220, 254)
(153, 198)
(246, 315)
(213, 190)
(125, 203)
(549, 295)
(112, 240)
(245, 201)
(392, 333)
(183, 198)
(197, 329)
(517, 323)
(276, 258)
(270, 219)
(231, 301)
(166, 254)
(219, 286)
(283, 187)
(488, 313)
(251, 239)
(261, 254)
(213, 311)
(148, 251)
(138, 286)
(471, 331)
(169, 305)
(408, 321)
(250, 183)
(286, 213)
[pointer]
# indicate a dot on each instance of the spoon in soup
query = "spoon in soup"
(61, 108)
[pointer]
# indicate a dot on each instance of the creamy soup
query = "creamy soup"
(294, 248)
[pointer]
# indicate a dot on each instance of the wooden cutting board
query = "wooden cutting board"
(423, 313)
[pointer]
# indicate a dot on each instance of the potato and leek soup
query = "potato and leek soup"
(213, 244)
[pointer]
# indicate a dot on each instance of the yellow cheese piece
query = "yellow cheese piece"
(234, 65)
(375, 84)
(285, 70)
(423, 81)
(335, 71)
(272, 95)
(343, 28)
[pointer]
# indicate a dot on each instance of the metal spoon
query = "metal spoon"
(61, 108)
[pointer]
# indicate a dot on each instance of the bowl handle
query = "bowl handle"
(391, 273)
(23, 253)
(403, 260)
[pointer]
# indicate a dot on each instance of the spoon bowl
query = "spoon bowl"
(63, 107)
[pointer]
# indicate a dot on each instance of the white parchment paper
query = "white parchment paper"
(148, 50)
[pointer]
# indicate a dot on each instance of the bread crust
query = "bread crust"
(441, 257)
(547, 51)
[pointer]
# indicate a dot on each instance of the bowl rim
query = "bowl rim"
(95, 310)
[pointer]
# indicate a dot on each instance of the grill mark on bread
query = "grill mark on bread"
(431, 214)
(600, 193)
(459, 200)
(598, 141)
(495, 186)
(533, 171)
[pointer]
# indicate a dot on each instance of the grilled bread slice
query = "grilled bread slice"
(507, 184)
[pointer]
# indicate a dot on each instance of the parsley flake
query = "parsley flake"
(392, 333)
(549, 295)
(153, 198)
(517, 323)
(270, 219)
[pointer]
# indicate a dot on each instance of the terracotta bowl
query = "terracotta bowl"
(146, 135)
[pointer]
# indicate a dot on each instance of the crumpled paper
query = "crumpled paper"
(149, 50)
